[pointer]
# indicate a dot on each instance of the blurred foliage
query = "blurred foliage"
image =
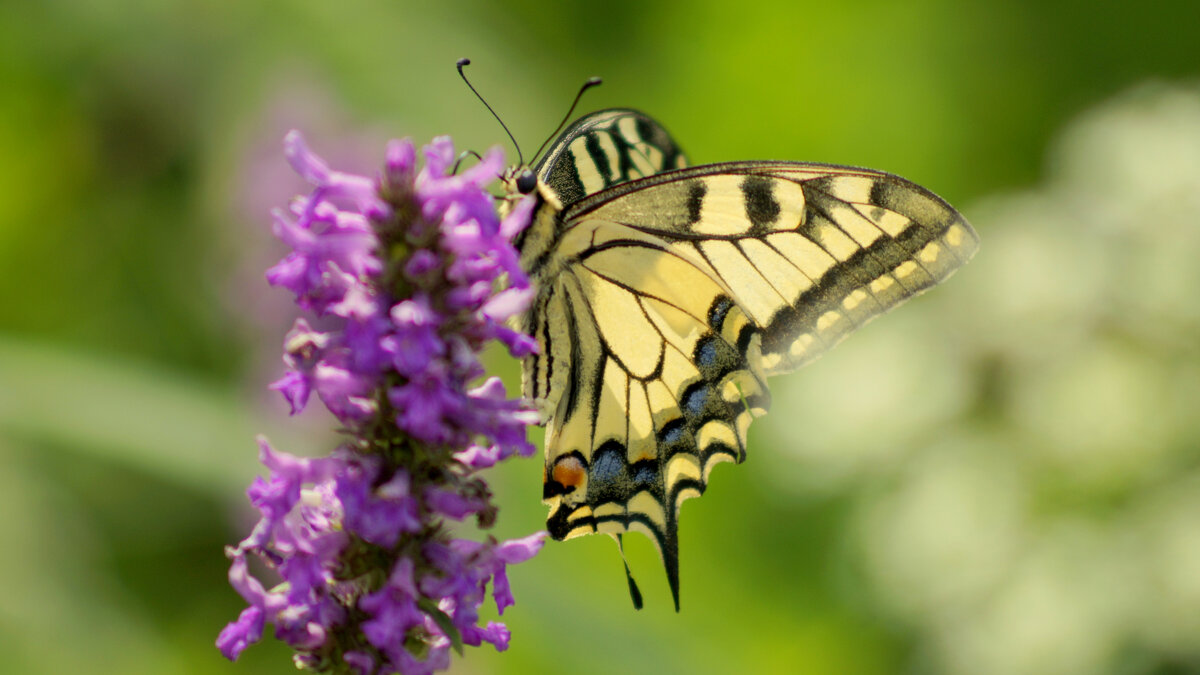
(1002, 477)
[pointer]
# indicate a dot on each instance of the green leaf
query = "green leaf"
(443, 621)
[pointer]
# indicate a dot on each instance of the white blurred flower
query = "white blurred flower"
(1025, 468)
(886, 389)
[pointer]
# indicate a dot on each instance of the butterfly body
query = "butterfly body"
(666, 295)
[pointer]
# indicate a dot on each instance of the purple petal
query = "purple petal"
(512, 552)
(362, 662)
(507, 303)
(290, 273)
(501, 592)
(516, 551)
(295, 469)
(401, 157)
(346, 393)
(519, 344)
(301, 634)
(304, 162)
(421, 263)
(424, 406)
(393, 614)
(364, 340)
(479, 456)
(416, 312)
(378, 515)
(295, 387)
(416, 341)
(247, 586)
(497, 634)
(439, 155)
(242, 633)
(402, 577)
(453, 505)
(518, 219)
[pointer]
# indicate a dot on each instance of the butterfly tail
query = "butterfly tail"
(635, 594)
(670, 556)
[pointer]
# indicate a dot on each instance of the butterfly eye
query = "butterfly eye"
(526, 182)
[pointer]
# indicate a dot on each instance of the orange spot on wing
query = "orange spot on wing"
(569, 472)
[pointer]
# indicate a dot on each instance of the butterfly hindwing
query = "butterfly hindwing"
(667, 294)
(666, 382)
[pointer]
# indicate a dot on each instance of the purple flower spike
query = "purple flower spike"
(402, 271)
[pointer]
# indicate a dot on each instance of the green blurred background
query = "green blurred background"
(1002, 477)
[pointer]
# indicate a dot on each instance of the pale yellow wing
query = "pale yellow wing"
(810, 251)
(655, 375)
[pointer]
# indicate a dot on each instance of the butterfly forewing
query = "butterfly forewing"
(810, 251)
(604, 149)
(666, 295)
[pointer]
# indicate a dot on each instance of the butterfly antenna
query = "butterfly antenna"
(592, 82)
(467, 62)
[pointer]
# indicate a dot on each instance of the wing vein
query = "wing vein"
(642, 294)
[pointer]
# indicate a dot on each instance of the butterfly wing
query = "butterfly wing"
(661, 383)
(810, 251)
(604, 149)
(667, 296)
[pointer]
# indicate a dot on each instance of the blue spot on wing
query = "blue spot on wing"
(716, 314)
(672, 432)
(608, 463)
(645, 474)
(695, 399)
(706, 353)
(674, 437)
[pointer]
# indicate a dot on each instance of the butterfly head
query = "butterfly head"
(525, 180)
(518, 181)
(521, 180)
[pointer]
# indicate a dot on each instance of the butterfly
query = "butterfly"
(667, 294)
